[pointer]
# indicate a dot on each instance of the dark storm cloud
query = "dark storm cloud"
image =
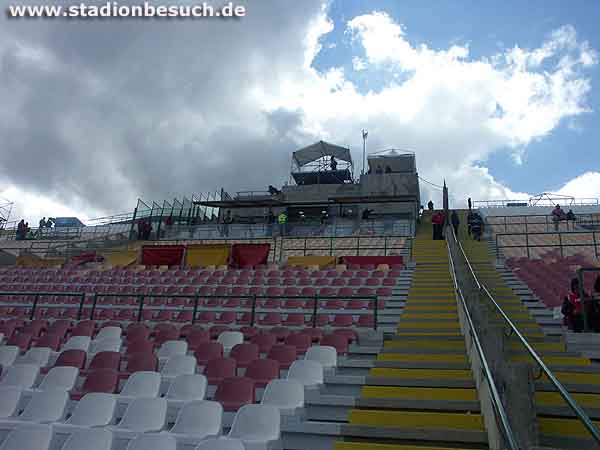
(100, 112)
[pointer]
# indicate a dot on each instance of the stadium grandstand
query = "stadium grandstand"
(317, 315)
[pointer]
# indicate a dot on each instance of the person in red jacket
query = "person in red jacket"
(574, 312)
(437, 221)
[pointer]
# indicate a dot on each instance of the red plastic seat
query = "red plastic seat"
(100, 380)
(226, 318)
(35, 327)
(218, 369)
(316, 334)
(249, 332)
(342, 320)
(70, 358)
(167, 334)
(271, 318)
(196, 337)
(291, 291)
(137, 362)
(232, 303)
(140, 345)
(299, 340)
(338, 341)
(294, 320)
(244, 319)
(216, 330)
(165, 316)
(262, 371)
(235, 392)
(309, 291)
(104, 360)
(334, 304)
(357, 304)
(284, 354)
(347, 333)
(244, 353)
(21, 340)
(206, 351)
(206, 317)
(293, 303)
(185, 316)
(49, 340)
(280, 333)
(137, 331)
(264, 341)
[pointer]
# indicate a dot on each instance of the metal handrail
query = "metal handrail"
(579, 412)
(496, 400)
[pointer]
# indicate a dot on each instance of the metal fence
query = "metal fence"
(568, 243)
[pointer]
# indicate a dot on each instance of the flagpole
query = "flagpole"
(364, 136)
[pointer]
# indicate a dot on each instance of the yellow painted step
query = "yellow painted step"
(416, 308)
(555, 360)
(421, 374)
(419, 393)
(541, 346)
(575, 377)
(416, 419)
(372, 446)
(429, 325)
(428, 333)
(430, 316)
(563, 427)
(430, 343)
(555, 399)
(427, 357)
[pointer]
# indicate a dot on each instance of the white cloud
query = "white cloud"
(586, 185)
(161, 117)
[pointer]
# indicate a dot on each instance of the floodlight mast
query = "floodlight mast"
(365, 133)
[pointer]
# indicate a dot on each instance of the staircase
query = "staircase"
(421, 393)
(557, 426)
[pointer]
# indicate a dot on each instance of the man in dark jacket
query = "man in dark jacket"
(455, 222)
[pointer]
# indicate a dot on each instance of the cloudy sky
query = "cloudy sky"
(502, 101)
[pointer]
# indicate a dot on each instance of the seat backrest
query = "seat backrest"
(307, 372)
(46, 406)
(37, 355)
(94, 410)
(21, 375)
(171, 348)
(260, 422)
(244, 352)
(207, 351)
(106, 360)
(109, 344)
(109, 332)
(324, 354)
(72, 357)
(221, 444)
(143, 361)
(144, 415)
(235, 389)
(179, 365)
(62, 377)
(8, 355)
(188, 387)
(89, 439)
(142, 384)
(201, 418)
(152, 442)
(230, 338)
(9, 400)
(284, 394)
(77, 343)
(29, 436)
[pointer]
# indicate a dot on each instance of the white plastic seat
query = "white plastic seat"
(307, 372)
(141, 384)
(172, 348)
(230, 339)
(324, 354)
(21, 375)
(46, 406)
(77, 343)
(198, 420)
(286, 395)
(93, 410)
(109, 333)
(221, 444)
(89, 439)
(61, 377)
(104, 345)
(9, 401)
(8, 355)
(187, 388)
(179, 365)
(257, 426)
(144, 415)
(37, 355)
(28, 436)
(153, 442)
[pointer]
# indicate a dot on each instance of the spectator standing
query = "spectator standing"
(333, 164)
(570, 218)
(476, 226)
(455, 222)
(557, 215)
(469, 221)
(42, 225)
(437, 220)
(20, 230)
(572, 308)
(469, 202)
(430, 205)
(226, 222)
(282, 220)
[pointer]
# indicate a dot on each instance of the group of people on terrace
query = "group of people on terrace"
(558, 214)
(577, 310)
(438, 219)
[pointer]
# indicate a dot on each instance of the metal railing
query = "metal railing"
(579, 412)
(534, 222)
(594, 243)
(141, 306)
(499, 411)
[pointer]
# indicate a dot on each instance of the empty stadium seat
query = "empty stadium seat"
(110, 332)
(244, 354)
(172, 348)
(77, 343)
(220, 444)
(89, 439)
(257, 426)
(264, 341)
(140, 362)
(198, 420)
(307, 372)
(28, 436)
(20, 375)
(186, 388)
(284, 354)
(234, 392)
(144, 415)
(262, 371)
(218, 369)
(286, 395)
(60, 377)
(9, 401)
(93, 410)
(98, 381)
(324, 354)
(45, 406)
(141, 384)
(8, 355)
(153, 442)
(178, 365)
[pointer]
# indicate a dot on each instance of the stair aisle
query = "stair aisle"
(421, 394)
(556, 423)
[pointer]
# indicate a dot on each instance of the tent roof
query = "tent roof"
(319, 150)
